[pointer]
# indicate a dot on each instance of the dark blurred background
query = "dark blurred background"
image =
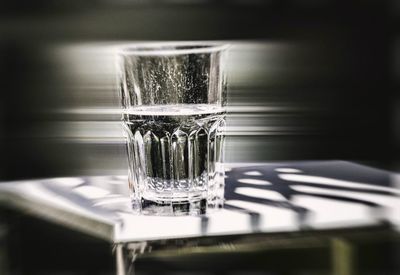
(309, 79)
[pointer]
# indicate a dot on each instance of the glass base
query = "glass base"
(179, 206)
(173, 208)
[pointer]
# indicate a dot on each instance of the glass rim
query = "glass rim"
(171, 48)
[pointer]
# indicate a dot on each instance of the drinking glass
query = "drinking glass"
(173, 97)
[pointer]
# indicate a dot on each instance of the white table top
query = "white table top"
(260, 198)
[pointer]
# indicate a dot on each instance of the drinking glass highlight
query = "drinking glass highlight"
(173, 97)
